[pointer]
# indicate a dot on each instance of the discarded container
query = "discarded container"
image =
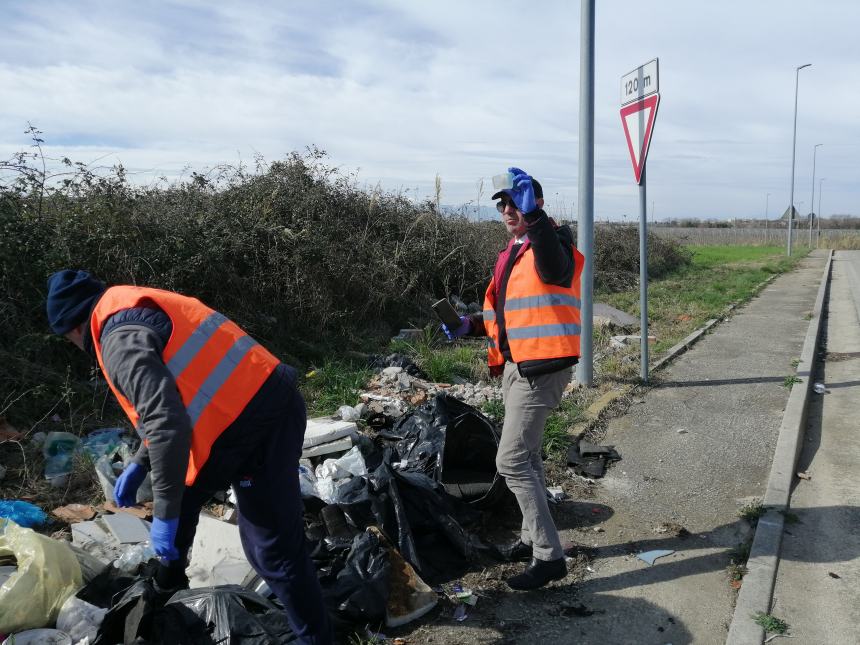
(22, 513)
(134, 556)
(101, 442)
(819, 388)
(59, 449)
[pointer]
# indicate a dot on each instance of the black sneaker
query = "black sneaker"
(538, 573)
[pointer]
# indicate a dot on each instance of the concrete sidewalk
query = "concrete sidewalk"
(817, 590)
(695, 449)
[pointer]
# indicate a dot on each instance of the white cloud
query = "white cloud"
(407, 90)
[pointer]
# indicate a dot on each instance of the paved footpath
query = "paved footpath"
(695, 449)
(818, 581)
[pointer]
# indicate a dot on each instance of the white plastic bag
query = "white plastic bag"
(80, 620)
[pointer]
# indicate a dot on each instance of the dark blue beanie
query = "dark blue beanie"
(70, 297)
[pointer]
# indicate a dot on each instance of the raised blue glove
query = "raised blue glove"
(163, 534)
(523, 192)
(464, 328)
(125, 489)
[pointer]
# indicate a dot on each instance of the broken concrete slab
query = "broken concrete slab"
(606, 316)
(94, 538)
(217, 556)
(325, 430)
(624, 340)
(328, 448)
(127, 529)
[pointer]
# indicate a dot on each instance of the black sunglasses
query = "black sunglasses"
(502, 204)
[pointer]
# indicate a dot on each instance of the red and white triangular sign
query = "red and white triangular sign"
(638, 120)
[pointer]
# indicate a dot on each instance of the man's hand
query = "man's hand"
(163, 534)
(464, 328)
(125, 489)
(523, 193)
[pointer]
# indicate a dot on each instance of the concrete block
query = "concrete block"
(325, 430)
(605, 316)
(328, 448)
(217, 557)
(127, 529)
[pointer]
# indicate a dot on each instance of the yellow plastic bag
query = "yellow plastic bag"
(48, 573)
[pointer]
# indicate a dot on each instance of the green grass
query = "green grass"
(443, 361)
(771, 624)
(556, 435)
(494, 408)
(718, 276)
(332, 385)
(752, 511)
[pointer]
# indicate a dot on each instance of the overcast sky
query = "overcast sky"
(401, 91)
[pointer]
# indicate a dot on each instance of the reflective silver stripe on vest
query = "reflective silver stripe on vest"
(191, 347)
(543, 331)
(543, 300)
(489, 314)
(219, 376)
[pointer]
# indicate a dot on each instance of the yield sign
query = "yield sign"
(638, 120)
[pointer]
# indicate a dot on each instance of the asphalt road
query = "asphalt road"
(817, 588)
(695, 450)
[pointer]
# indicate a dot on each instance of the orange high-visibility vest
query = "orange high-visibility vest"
(542, 320)
(218, 368)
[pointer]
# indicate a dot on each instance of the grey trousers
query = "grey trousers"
(528, 403)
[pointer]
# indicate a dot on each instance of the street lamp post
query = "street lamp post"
(812, 201)
(793, 149)
(818, 238)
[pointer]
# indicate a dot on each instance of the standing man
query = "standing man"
(531, 316)
(213, 408)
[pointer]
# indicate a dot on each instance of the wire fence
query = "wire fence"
(827, 238)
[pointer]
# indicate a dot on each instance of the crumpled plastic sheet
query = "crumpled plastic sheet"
(22, 513)
(48, 573)
(80, 620)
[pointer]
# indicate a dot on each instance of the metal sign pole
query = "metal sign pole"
(585, 229)
(643, 276)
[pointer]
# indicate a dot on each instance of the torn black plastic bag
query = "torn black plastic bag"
(453, 443)
(225, 614)
(358, 586)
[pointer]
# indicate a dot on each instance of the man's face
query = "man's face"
(513, 219)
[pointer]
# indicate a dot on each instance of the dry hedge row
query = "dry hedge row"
(293, 251)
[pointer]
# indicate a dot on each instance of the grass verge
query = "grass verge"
(718, 276)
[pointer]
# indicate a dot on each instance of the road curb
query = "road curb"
(756, 592)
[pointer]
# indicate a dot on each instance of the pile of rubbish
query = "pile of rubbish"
(390, 513)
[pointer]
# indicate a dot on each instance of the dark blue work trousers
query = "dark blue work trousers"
(259, 456)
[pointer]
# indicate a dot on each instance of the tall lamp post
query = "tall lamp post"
(793, 149)
(812, 201)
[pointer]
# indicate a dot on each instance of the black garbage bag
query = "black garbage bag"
(357, 585)
(376, 361)
(131, 617)
(226, 614)
(453, 443)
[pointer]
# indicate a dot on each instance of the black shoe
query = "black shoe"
(538, 573)
(517, 551)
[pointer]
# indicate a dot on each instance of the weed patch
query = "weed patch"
(770, 624)
(790, 381)
(752, 511)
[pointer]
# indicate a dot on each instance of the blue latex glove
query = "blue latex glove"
(163, 534)
(125, 489)
(464, 328)
(523, 192)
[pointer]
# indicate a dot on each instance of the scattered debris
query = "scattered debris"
(555, 494)
(7, 432)
(142, 511)
(217, 556)
(673, 528)
(819, 388)
(651, 556)
(72, 513)
(323, 430)
(804, 475)
(835, 576)
(589, 460)
(619, 342)
(127, 529)
(80, 620)
(460, 613)
(39, 637)
(681, 431)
